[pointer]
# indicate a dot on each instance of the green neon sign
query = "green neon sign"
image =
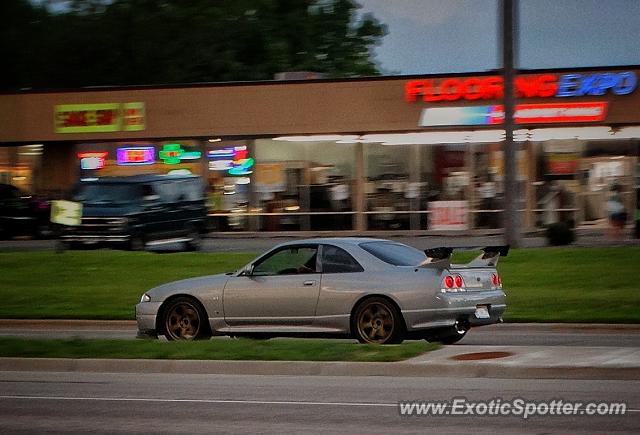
(173, 153)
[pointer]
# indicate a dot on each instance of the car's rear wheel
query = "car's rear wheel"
(185, 319)
(377, 321)
(195, 240)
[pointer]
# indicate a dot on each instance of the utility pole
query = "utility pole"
(510, 215)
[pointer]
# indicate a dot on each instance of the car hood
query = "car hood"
(189, 286)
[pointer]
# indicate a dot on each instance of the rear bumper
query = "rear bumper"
(451, 307)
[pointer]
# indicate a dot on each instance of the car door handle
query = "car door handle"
(310, 282)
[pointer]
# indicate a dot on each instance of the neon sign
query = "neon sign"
(92, 160)
(101, 117)
(524, 114)
(234, 160)
(173, 153)
(133, 156)
(538, 86)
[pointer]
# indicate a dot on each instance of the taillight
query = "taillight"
(496, 281)
(458, 281)
(448, 282)
(452, 283)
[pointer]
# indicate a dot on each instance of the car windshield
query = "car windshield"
(395, 253)
(106, 193)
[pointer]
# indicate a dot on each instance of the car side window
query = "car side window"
(288, 261)
(167, 191)
(193, 190)
(337, 260)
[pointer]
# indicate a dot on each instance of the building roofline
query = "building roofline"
(109, 88)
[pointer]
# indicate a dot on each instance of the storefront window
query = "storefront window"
(392, 188)
(486, 196)
(20, 166)
(230, 169)
(304, 183)
(575, 178)
(416, 186)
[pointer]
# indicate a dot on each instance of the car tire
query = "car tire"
(136, 243)
(185, 319)
(450, 335)
(43, 231)
(195, 240)
(376, 320)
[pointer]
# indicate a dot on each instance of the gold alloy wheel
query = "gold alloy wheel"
(182, 321)
(376, 323)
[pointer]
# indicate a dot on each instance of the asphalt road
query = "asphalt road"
(154, 403)
(493, 335)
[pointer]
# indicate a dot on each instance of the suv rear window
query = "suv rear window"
(395, 253)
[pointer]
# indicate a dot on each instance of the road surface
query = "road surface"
(493, 335)
(153, 403)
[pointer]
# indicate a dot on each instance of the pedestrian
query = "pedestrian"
(616, 212)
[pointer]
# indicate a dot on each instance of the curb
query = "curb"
(297, 368)
(131, 324)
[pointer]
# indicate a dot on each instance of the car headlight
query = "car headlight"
(145, 298)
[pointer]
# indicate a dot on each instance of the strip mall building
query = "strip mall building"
(419, 153)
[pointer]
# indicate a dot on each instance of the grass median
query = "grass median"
(542, 285)
(215, 349)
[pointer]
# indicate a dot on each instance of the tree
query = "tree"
(130, 42)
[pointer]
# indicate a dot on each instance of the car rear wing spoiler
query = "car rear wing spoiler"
(440, 258)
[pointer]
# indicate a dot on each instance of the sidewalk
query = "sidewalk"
(483, 361)
(514, 362)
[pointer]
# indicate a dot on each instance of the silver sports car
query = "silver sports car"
(375, 290)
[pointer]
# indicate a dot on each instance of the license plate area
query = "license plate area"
(482, 312)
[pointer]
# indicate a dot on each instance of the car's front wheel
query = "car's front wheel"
(185, 319)
(377, 321)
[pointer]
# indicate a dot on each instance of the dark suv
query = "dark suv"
(22, 214)
(139, 211)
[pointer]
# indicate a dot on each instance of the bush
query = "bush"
(559, 234)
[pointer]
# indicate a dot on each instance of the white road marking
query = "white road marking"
(213, 401)
(246, 402)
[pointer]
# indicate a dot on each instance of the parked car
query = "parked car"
(375, 290)
(139, 211)
(23, 214)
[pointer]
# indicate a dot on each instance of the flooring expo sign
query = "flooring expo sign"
(540, 86)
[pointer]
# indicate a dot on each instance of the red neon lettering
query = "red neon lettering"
(104, 117)
(412, 89)
(473, 89)
(450, 90)
(540, 86)
(476, 88)
(548, 85)
(493, 88)
(75, 119)
(526, 87)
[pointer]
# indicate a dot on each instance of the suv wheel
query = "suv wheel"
(195, 240)
(137, 243)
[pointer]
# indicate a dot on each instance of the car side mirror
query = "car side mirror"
(247, 271)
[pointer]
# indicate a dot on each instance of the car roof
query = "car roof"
(344, 241)
(147, 178)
